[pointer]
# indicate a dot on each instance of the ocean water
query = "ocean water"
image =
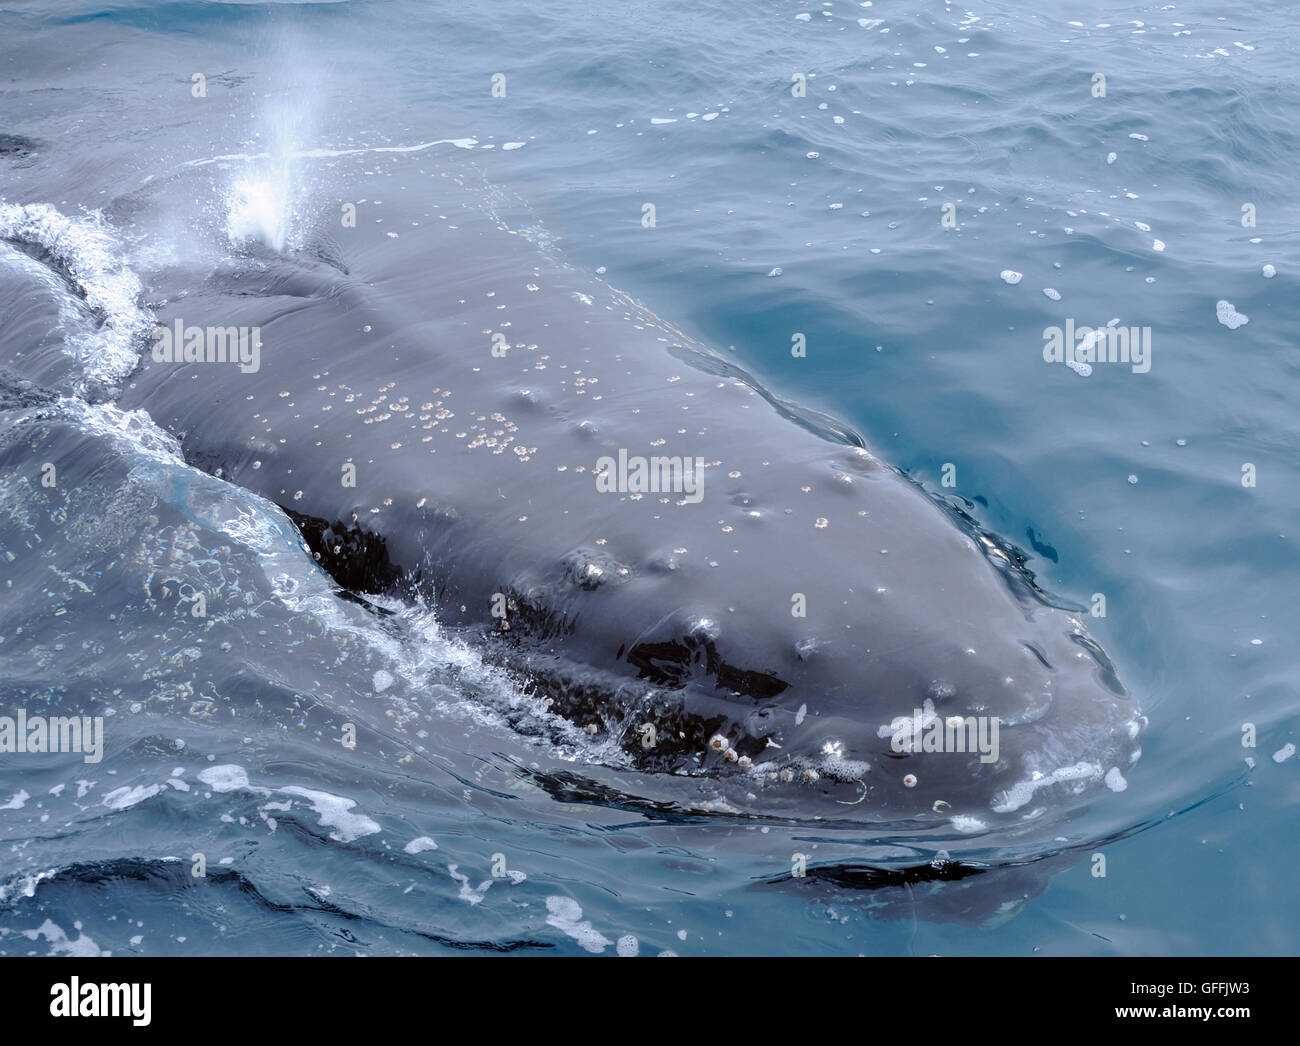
(918, 189)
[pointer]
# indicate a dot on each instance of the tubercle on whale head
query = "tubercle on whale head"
(1068, 731)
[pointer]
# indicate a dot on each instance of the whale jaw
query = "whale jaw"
(681, 708)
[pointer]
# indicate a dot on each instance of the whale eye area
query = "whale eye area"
(675, 663)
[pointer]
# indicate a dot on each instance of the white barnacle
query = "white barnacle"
(719, 743)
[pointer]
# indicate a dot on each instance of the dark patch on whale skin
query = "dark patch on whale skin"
(475, 473)
(672, 664)
(16, 147)
(355, 558)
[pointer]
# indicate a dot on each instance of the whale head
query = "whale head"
(887, 656)
(799, 628)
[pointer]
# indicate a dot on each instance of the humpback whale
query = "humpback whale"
(718, 583)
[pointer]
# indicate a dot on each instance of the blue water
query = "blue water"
(775, 215)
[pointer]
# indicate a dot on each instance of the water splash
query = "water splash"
(84, 252)
(260, 208)
(267, 202)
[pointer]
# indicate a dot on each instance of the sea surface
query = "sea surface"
(919, 189)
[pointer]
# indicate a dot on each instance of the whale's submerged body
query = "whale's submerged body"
(437, 402)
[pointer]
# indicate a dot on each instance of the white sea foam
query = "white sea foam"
(335, 811)
(566, 916)
(125, 797)
(17, 801)
(225, 778)
(1229, 316)
(84, 252)
(61, 944)
(467, 893)
(24, 885)
(1020, 793)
